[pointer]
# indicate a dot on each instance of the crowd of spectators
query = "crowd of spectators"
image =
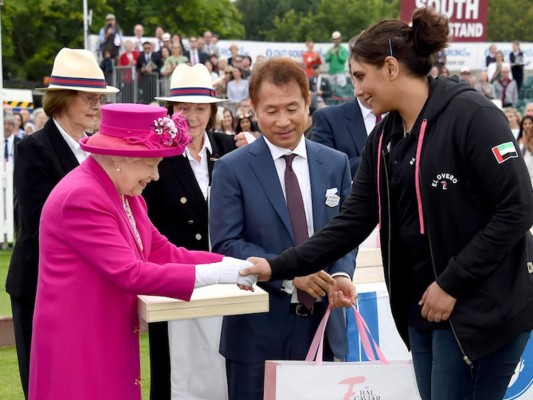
(141, 65)
(144, 67)
(26, 122)
(500, 79)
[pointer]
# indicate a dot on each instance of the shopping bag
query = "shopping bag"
(373, 304)
(318, 380)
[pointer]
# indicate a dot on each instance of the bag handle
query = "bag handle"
(317, 345)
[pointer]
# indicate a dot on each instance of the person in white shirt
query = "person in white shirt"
(10, 139)
(210, 45)
(265, 198)
(138, 39)
(525, 139)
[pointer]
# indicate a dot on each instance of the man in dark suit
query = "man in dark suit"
(269, 196)
(320, 86)
(10, 139)
(345, 127)
(194, 54)
(148, 66)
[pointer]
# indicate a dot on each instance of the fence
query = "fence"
(7, 223)
(138, 88)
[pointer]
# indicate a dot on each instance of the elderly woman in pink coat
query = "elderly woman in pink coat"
(99, 251)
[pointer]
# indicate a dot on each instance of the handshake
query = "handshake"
(225, 271)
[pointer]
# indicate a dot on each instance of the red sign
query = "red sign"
(468, 18)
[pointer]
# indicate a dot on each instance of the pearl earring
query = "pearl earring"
(118, 169)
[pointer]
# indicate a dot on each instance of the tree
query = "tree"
(33, 31)
(289, 20)
(510, 20)
(190, 17)
(316, 21)
(259, 15)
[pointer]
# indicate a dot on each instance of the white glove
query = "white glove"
(225, 271)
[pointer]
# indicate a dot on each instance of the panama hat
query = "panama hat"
(191, 85)
(77, 69)
(138, 130)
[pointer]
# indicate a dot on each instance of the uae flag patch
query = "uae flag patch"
(504, 151)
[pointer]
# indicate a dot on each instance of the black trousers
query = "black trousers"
(159, 361)
(23, 325)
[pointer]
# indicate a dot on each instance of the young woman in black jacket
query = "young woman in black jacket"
(443, 177)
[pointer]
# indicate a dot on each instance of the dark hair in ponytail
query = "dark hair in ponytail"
(414, 46)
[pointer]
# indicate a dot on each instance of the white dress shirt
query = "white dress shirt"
(528, 158)
(195, 59)
(10, 149)
(368, 116)
(74, 146)
(200, 168)
(300, 167)
(138, 43)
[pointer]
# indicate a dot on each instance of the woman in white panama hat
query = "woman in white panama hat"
(72, 102)
(178, 207)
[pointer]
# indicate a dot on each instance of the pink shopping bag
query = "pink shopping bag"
(317, 380)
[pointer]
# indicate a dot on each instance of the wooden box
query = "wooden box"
(368, 266)
(208, 301)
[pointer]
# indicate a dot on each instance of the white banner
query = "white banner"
(458, 55)
(471, 55)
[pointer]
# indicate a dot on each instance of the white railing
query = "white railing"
(7, 223)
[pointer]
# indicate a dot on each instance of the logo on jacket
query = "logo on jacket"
(444, 179)
(504, 151)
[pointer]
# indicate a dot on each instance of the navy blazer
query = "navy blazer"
(176, 204)
(154, 57)
(41, 161)
(342, 127)
(325, 86)
(202, 56)
(249, 217)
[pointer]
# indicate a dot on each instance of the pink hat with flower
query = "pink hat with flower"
(138, 130)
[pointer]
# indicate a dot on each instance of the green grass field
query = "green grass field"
(10, 388)
(5, 305)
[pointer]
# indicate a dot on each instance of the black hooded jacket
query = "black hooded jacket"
(475, 204)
